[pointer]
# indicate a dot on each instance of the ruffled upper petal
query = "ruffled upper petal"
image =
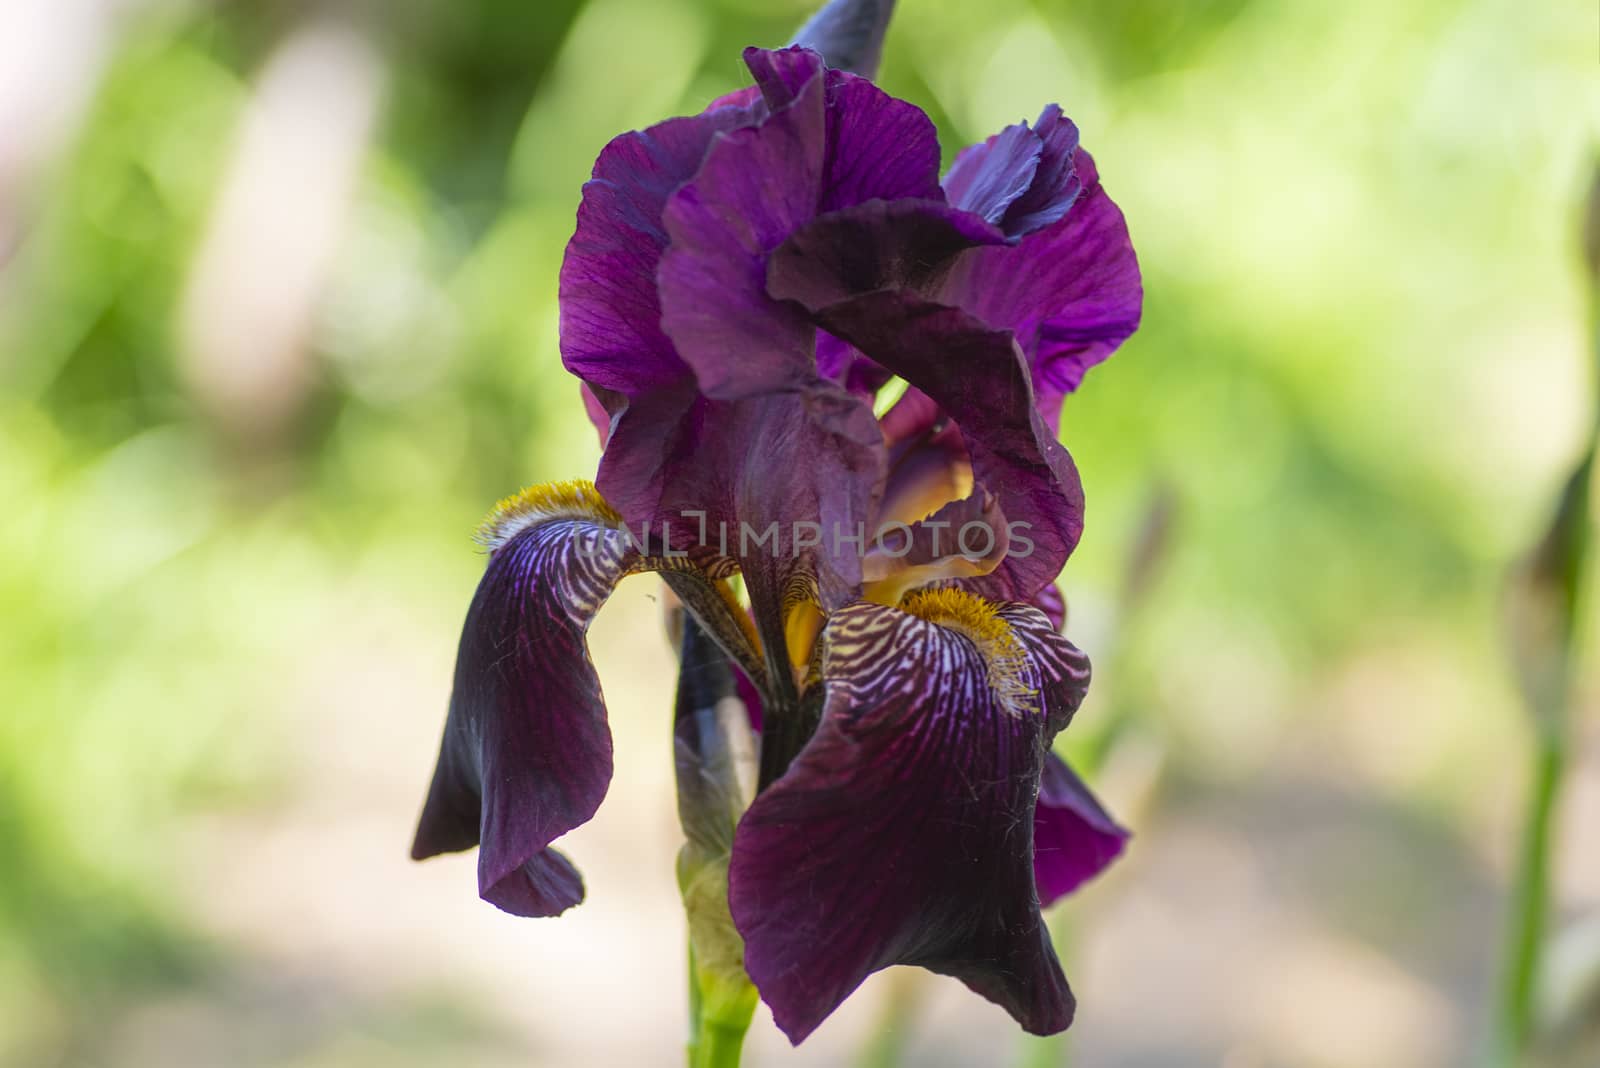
(1074, 837)
(879, 147)
(1029, 243)
(902, 833)
(611, 332)
(1055, 184)
(832, 140)
(1022, 179)
(987, 178)
(781, 73)
(1070, 293)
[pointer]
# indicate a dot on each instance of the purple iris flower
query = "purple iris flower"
(741, 286)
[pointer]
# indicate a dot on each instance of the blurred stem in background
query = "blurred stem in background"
(1545, 606)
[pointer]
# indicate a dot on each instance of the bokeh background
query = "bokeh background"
(278, 323)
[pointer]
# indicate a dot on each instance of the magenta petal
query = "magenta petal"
(879, 147)
(595, 409)
(610, 314)
(928, 459)
(1071, 292)
(526, 754)
(1074, 838)
(910, 422)
(545, 885)
(780, 74)
(833, 140)
(901, 834)
(977, 377)
(932, 549)
(755, 186)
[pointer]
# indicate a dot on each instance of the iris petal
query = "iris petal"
(610, 312)
(1070, 292)
(843, 364)
(1055, 184)
(833, 140)
(1021, 179)
(987, 178)
(1055, 268)
(976, 376)
(902, 833)
(526, 754)
(964, 539)
(928, 461)
(675, 454)
(1074, 837)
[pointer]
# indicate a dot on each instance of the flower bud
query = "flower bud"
(849, 34)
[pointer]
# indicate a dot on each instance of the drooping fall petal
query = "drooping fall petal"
(526, 753)
(903, 832)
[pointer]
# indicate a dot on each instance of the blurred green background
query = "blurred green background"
(278, 323)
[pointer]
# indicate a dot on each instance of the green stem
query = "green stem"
(720, 1012)
(1549, 648)
(718, 1022)
(1529, 907)
(721, 1043)
(1548, 637)
(696, 1007)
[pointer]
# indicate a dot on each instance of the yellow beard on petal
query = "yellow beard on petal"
(980, 621)
(570, 499)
